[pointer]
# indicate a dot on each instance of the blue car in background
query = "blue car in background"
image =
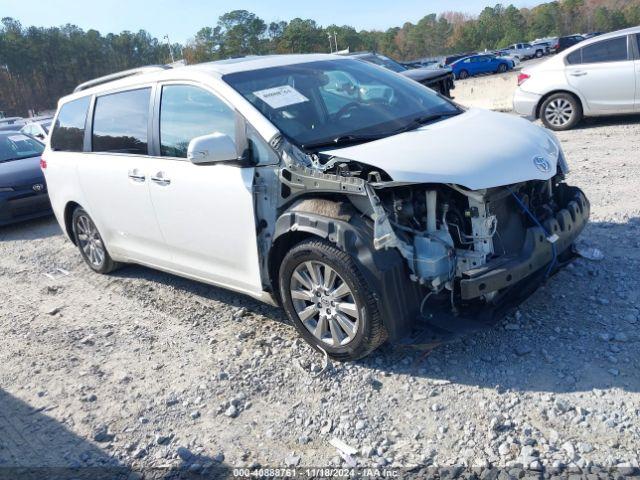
(480, 64)
(23, 190)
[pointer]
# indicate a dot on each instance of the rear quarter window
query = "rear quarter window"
(68, 131)
(613, 50)
(575, 58)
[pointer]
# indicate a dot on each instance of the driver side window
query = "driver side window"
(186, 112)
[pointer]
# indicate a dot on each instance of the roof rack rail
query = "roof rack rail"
(118, 75)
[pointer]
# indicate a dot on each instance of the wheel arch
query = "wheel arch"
(69, 208)
(305, 218)
(341, 224)
(560, 90)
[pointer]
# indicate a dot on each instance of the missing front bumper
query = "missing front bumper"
(536, 253)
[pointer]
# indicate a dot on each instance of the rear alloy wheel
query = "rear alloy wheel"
(90, 243)
(561, 112)
(329, 302)
(463, 74)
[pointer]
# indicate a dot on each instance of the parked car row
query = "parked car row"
(440, 79)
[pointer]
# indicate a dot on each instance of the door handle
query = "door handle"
(160, 179)
(136, 176)
(578, 74)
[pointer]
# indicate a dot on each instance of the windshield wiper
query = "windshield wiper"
(342, 140)
(423, 120)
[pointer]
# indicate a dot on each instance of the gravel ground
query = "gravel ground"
(143, 369)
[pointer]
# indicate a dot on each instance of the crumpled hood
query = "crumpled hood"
(476, 149)
(21, 172)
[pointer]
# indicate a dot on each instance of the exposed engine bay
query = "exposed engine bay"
(462, 247)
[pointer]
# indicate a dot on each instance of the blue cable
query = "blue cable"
(537, 222)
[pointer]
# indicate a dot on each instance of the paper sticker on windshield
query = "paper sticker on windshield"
(279, 97)
(18, 138)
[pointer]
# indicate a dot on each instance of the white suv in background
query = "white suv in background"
(333, 187)
(600, 76)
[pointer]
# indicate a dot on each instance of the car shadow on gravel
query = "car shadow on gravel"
(35, 446)
(38, 228)
(204, 292)
(579, 332)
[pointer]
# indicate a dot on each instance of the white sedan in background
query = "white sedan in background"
(597, 77)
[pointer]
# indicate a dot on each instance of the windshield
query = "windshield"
(313, 103)
(17, 146)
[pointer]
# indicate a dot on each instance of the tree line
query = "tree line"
(40, 64)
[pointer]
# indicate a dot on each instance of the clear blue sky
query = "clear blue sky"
(181, 19)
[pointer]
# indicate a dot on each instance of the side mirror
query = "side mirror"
(213, 148)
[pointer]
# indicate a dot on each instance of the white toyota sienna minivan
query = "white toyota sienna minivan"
(367, 205)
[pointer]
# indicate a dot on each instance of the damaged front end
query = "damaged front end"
(480, 253)
(445, 259)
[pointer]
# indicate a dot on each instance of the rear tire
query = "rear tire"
(90, 243)
(561, 111)
(329, 301)
(539, 53)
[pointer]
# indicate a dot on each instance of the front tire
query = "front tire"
(539, 53)
(502, 68)
(329, 301)
(561, 111)
(463, 74)
(90, 243)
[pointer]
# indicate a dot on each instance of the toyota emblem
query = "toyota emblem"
(38, 187)
(542, 164)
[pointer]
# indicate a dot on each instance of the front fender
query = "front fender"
(386, 272)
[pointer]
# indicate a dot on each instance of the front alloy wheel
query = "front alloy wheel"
(324, 303)
(329, 301)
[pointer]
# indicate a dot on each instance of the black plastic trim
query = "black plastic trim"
(387, 273)
(536, 253)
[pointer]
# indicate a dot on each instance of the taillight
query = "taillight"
(523, 77)
(43, 163)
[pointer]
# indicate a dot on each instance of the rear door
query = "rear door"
(604, 74)
(114, 176)
(205, 212)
